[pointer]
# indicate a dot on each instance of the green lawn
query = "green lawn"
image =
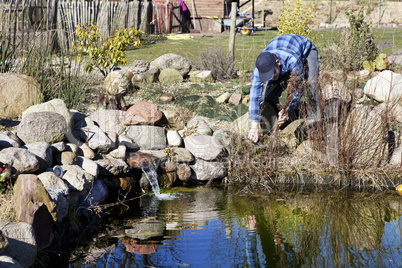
(247, 47)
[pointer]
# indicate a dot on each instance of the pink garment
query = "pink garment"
(183, 7)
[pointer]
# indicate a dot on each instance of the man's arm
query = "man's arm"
(254, 105)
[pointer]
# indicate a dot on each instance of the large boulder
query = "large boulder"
(17, 93)
(386, 86)
(173, 61)
(47, 127)
(55, 105)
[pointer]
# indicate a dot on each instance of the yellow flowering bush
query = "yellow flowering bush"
(103, 54)
(296, 18)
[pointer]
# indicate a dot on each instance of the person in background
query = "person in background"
(285, 55)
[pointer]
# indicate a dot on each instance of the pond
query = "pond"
(214, 227)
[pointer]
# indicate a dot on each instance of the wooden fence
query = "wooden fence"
(24, 23)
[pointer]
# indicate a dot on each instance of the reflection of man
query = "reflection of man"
(285, 55)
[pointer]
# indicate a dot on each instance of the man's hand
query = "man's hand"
(282, 117)
(254, 133)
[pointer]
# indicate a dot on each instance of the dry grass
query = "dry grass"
(7, 213)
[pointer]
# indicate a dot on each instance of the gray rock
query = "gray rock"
(66, 158)
(58, 147)
(114, 137)
(71, 147)
(208, 170)
(9, 139)
(173, 61)
(22, 244)
(17, 93)
(182, 155)
(43, 153)
(200, 126)
(381, 89)
(76, 116)
(146, 229)
(109, 120)
(51, 181)
(55, 105)
(95, 137)
(8, 262)
(119, 153)
(109, 166)
(183, 172)
(235, 99)
(147, 137)
(20, 159)
(223, 98)
(97, 194)
(175, 120)
(149, 76)
(130, 145)
(202, 77)
(61, 201)
(88, 165)
(48, 127)
(137, 66)
(116, 82)
(173, 138)
(77, 179)
(170, 76)
(225, 137)
(205, 147)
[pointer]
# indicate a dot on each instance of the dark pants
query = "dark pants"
(273, 89)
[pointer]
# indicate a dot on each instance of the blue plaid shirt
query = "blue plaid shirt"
(291, 50)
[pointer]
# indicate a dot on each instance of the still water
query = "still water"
(210, 227)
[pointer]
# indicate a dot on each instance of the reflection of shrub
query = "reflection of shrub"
(296, 18)
(356, 44)
(220, 64)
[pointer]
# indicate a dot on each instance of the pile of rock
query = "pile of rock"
(66, 158)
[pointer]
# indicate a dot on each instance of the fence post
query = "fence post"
(54, 40)
(232, 29)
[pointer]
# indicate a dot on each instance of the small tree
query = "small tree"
(296, 18)
(103, 54)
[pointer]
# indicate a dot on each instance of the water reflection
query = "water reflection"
(213, 228)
